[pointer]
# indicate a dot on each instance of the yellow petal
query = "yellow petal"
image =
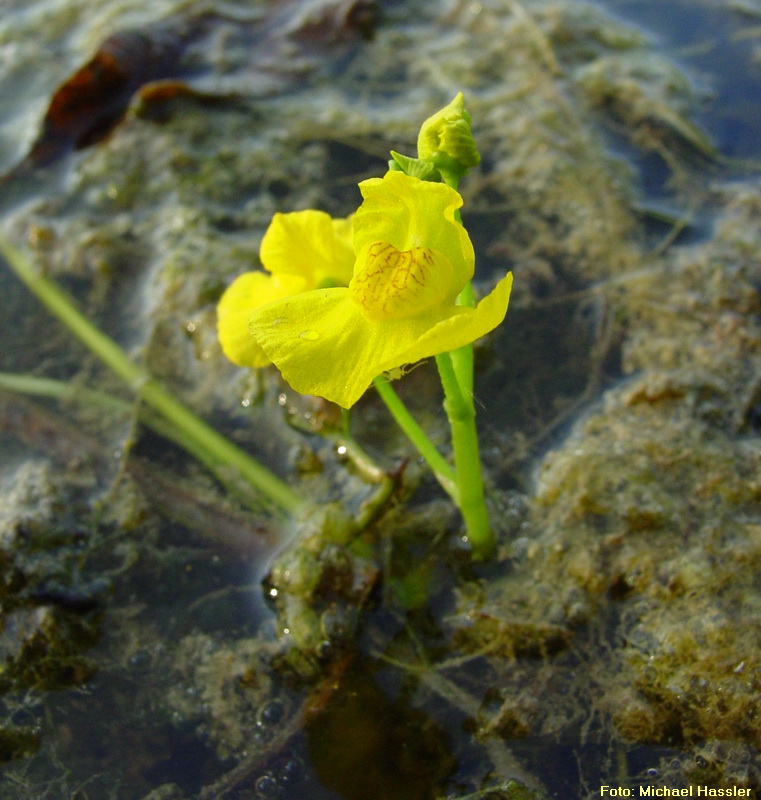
(463, 326)
(406, 212)
(309, 337)
(343, 250)
(399, 283)
(310, 244)
(245, 293)
(323, 343)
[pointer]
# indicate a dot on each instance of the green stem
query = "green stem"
(456, 373)
(193, 432)
(62, 391)
(349, 448)
(462, 358)
(462, 420)
(443, 471)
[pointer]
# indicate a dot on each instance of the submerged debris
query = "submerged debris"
(648, 96)
(86, 107)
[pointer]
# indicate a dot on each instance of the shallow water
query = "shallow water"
(141, 657)
(718, 43)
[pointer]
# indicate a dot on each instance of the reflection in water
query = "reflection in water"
(366, 746)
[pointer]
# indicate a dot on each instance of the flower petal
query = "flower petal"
(323, 344)
(310, 244)
(464, 325)
(407, 212)
(245, 293)
(310, 337)
(399, 283)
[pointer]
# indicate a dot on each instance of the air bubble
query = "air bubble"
(271, 713)
(267, 785)
(140, 660)
(293, 770)
(310, 336)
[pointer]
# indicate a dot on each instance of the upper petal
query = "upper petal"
(407, 212)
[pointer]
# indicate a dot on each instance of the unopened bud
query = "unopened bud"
(446, 139)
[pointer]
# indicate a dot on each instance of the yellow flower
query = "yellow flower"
(412, 260)
(302, 250)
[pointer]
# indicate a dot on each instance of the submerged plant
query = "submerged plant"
(339, 312)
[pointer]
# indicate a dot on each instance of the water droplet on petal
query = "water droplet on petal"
(310, 336)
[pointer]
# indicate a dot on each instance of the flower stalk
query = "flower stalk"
(393, 290)
(446, 143)
(461, 414)
(440, 467)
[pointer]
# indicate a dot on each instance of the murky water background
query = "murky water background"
(615, 639)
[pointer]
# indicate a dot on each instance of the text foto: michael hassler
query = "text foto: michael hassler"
(665, 791)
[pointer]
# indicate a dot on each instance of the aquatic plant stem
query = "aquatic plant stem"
(61, 390)
(441, 468)
(82, 395)
(456, 373)
(194, 432)
(470, 488)
(462, 358)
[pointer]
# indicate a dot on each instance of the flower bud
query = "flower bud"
(446, 139)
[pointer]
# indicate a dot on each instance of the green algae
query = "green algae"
(646, 517)
(18, 743)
